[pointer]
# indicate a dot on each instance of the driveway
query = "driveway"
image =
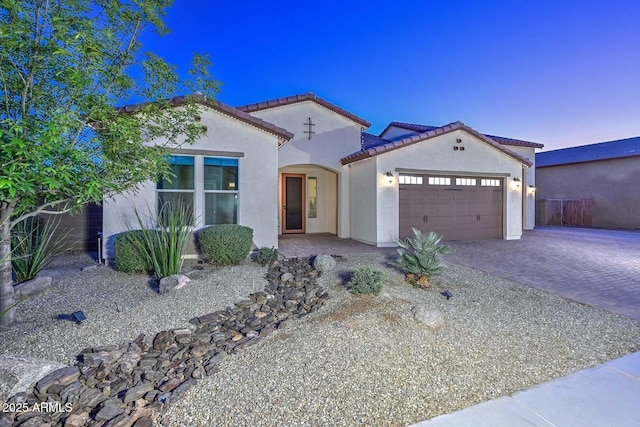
(600, 268)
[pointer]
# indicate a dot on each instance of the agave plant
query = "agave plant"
(421, 256)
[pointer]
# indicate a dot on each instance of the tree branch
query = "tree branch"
(43, 210)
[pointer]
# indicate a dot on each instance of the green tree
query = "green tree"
(64, 66)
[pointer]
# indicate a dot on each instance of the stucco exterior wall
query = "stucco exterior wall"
(363, 201)
(610, 184)
(437, 154)
(529, 180)
(226, 136)
(335, 137)
(327, 204)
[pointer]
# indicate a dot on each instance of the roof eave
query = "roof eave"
(238, 114)
(414, 139)
(279, 102)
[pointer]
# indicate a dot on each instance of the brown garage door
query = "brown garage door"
(459, 208)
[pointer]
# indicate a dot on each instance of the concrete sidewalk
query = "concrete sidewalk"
(606, 395)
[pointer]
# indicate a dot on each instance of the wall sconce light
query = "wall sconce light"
(390, 176)
(516, 181)
(532, 189)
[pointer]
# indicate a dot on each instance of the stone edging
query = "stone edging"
(132, 384)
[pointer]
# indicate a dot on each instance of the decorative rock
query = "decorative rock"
(431, 318)
(78, 419)
(182, 389)
(109, 412)
(130, 384)
(137, 392)
(163, 341)
(62, 376)
(144, 422)
(324, 262)
(32, 287)
(18, 373)
(170, 384)
(172, 283)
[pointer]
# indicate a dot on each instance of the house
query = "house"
(603, 175)
(301, 164)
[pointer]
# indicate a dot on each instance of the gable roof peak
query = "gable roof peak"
(308, 96)
(378, 145)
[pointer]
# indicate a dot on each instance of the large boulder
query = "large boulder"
(19, 373)
(427, 316)
(324, 262)
(32, 287)
(173, 283)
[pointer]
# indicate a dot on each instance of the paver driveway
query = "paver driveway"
(596, 267)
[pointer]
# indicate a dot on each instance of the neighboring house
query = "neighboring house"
(303, 165)
(606, 174)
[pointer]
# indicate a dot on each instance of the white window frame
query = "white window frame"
(439, 180)
(470, 182)
(199, 191)
(205, 192)
(410, 179)
(489, 182)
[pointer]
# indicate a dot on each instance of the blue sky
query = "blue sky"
(561, 73)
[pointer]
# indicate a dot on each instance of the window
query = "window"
(220, 190)
(312, 197)
(490, 182)
(215, 193)
(466, 181)
(407, 179)
(439, 180)
(179, 188)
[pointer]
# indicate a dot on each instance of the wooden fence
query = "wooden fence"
(564, 212)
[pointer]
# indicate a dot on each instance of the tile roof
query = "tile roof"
(375, 150)
(500, 139)
(225, 109)
(515, 142)
(250, 108)
(620, 148)
(410, 126)
(369, 140)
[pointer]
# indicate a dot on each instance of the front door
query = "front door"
(293, 203)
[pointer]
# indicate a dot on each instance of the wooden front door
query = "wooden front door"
(293, 203)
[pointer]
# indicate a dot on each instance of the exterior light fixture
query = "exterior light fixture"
(390, 176)
(516, 181)
(532, 189)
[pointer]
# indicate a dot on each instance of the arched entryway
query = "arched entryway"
(308, 200)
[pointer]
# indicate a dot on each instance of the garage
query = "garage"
(457, 207)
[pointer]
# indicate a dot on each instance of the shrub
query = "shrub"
(266, 256)
(421, 255)
(130, 257)
(225, 244)
(163, 249)
(34, 243)
(365, 280)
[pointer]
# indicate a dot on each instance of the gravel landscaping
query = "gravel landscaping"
(356, 361)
